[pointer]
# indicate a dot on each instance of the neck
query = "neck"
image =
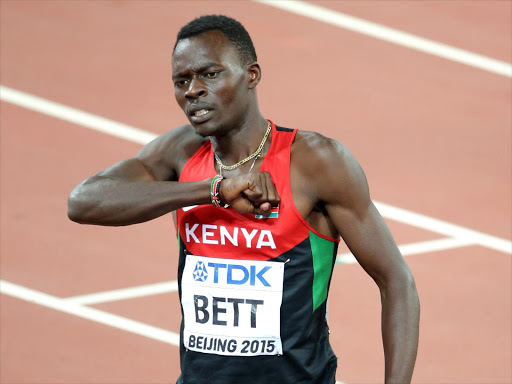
(240, 141)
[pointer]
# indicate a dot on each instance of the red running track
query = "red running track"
(434, 137)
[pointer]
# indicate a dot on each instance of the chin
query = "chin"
(204, 129)
(212, 127)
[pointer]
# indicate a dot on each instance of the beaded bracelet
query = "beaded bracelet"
(214, 192)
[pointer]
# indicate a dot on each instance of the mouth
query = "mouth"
(200, 116)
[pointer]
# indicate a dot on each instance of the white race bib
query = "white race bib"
(232, 307)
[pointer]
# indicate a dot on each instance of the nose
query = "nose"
(195, 89)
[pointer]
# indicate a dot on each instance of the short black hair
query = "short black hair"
(232, 29)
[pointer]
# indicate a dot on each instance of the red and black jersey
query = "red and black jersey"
(284, 237)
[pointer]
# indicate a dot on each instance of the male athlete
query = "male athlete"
(259, 211)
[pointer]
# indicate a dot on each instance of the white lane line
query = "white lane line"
(118, 129)
(443, 227)
(416, 248)
(75, 116)
(92, 314)
(124, 293)
(391, 35)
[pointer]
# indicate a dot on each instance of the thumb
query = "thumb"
(264, 209)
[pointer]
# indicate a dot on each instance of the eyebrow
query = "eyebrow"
(198, 70)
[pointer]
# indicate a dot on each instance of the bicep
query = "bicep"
(153, 162)
(132, 169)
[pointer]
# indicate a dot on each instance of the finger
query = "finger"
(243, 205)
(272, 195)
(254, 190)
(264, 193)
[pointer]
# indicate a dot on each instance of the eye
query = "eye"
(212, 75)
(180, 83)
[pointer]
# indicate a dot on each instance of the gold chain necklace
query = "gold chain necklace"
(257, 153)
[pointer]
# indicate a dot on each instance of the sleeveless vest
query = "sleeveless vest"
(253, 290)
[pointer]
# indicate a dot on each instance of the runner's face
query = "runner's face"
(210, 83)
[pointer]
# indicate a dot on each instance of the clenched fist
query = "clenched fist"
(251, 193)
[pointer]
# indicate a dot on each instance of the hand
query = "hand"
(251, 193)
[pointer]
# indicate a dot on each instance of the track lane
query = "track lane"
(43, 346)
(40, 247)
(465, 319)
(480, 26)
(391, 35)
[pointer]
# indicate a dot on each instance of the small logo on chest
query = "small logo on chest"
(200, 273)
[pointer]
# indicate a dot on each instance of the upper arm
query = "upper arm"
(342, 188)
(159, 160)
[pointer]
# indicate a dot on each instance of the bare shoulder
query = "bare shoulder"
(166, 155)
(314, 149)
(333, 171)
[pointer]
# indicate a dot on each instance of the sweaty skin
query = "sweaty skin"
(329, 187)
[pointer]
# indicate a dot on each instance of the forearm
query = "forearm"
(115, 202)
(400, 329)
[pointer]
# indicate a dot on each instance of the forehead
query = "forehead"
(208, 47)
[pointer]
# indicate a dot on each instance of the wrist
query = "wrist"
(215, 195)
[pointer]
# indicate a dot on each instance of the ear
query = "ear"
(253, 74)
